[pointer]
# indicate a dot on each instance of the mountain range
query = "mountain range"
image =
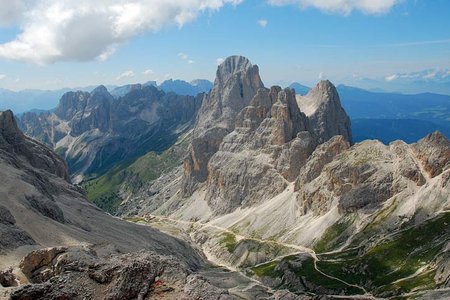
(266, 182)
(41, 100)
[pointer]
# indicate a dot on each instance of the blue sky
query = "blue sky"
(290, 40)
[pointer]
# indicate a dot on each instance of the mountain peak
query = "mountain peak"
(9, 131)
(235, 65)
(101, 89)
(13, 141)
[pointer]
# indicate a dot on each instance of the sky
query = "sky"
(50, 44)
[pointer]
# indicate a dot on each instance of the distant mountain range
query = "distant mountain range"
(375, 114)
(28, 100)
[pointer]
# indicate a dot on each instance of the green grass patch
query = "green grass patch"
(423, 281)
(267, 270)
(229, 241)
(333, 237)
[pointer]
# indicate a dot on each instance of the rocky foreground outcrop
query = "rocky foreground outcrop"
(87, 273)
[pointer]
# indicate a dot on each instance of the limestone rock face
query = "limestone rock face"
(367, 174)
(250, 141)
(433, 152)
(326, 116)
(237, 81)
(269, 134)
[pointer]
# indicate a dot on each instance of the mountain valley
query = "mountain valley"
(244, 192)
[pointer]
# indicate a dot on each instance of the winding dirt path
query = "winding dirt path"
(152, 218)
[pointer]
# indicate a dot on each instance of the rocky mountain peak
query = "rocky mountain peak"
(433, 152)
(9, 132)
(15, 144)
(101, 89)
(326, 116)
(237, 82)
(232, 65)
(70, 103)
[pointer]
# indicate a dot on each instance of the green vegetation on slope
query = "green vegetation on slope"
(402, 263)
(229, 241)
(400, 256)
(303, 267)
(130, 176)
(334, 236)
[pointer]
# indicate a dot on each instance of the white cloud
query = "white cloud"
(182, 56)
(321, 76)
(342, 6)
(263, 23)
(185, 57)
(391, 77)
(55, 30)
(148, 72)
(437, 75)
(2, 76)
(219, 60)
(126, 74)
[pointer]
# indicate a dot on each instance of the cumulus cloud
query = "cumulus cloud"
(126, 74)
(148, 72)
(263, 23)
(2, 76)
(342, 6)
(55, 30)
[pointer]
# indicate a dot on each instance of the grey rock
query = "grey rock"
(14, 142)
(198, 288)
(8, 278)
(326, 116)
(237, 81)
(433, 152)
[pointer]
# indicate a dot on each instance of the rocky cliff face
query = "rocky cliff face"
(14, 142)
(237, 81)
(93, 131)
(326, 116)
(251, 141)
